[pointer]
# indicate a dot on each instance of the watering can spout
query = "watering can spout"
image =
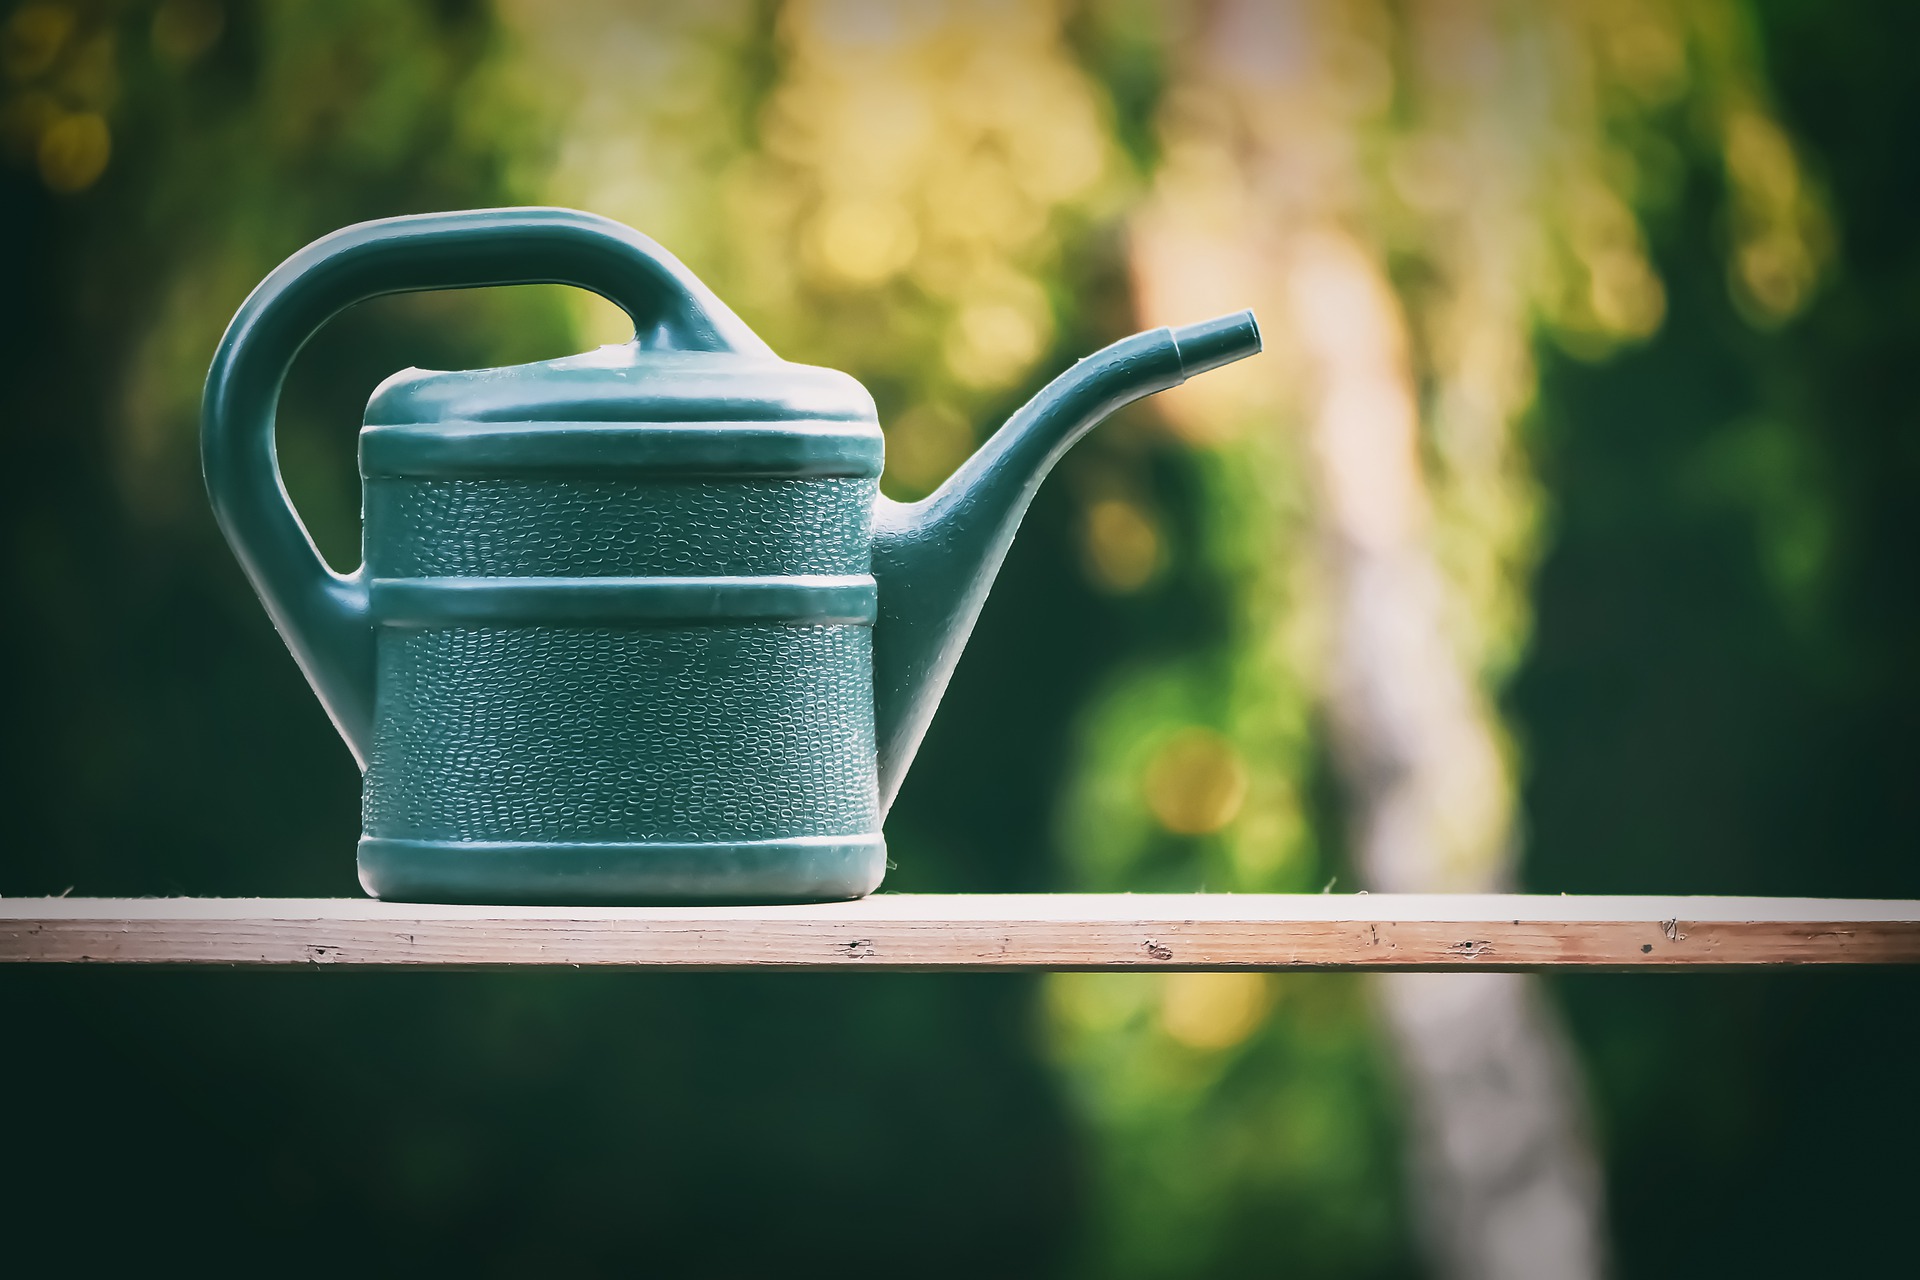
(935, 559)
(1210, 344)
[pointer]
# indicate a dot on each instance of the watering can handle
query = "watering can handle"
(323, 615)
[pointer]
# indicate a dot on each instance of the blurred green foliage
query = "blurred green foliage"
(1719, 694)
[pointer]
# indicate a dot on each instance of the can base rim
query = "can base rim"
(635, 873)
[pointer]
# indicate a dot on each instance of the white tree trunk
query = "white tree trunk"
(1504, 1180)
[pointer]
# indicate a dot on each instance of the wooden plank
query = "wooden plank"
(960, 932)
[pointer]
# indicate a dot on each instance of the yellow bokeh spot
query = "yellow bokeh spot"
(992, 343)
(34, 37)
(1650, 57)
(863, 242)
(73, 152)
(1214, 1011)
(185, 29)
(1196, 782)
(1776, 273)
(1097, 1003)
(1626, 297)
(1761, 160)
(1062, 159)
(978, 202)
(1121, 545)
(1271, 834)
(1259, 853)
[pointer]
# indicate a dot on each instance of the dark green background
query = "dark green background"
(1693, 723)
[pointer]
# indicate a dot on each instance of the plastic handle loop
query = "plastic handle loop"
(322, 615)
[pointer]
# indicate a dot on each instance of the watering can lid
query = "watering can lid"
(625, 406)
(627, 384)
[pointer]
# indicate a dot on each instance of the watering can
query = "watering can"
(636, 625)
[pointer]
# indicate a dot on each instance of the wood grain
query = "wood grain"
(929, 932)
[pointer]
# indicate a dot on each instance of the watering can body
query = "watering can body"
(633, 626)
(628, 658)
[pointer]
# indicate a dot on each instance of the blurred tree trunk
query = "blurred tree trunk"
(1505, 1181)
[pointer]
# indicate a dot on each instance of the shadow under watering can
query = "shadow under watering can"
(636, 625)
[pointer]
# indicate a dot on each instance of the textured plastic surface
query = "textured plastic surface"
(681, 733)
(633, 626)
(619, 527)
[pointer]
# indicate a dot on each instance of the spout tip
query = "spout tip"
(1212, 343)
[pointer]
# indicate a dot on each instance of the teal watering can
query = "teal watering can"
(632, 626)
